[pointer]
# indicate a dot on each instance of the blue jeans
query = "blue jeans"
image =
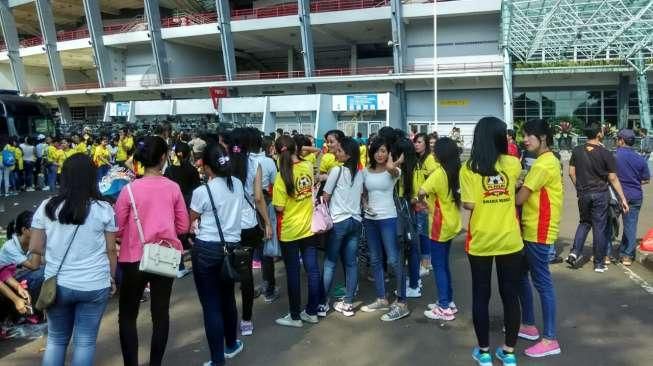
(441, 272)
(52, 176)
(417, 250)
(290, 251)
(343, 243)
(34, 280)
(593, 210)
(78, 314)
(629, 236)
(537, 256)
(28, 174)
(422, 220)
(382, 234)
(216, 296)
(6, 173)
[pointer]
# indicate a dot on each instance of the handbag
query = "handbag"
(321, 221)
(234, 256)
(271, 247)
(48, 293)
(260, 223)
(158, 258)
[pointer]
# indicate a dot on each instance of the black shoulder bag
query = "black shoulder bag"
(231, 257)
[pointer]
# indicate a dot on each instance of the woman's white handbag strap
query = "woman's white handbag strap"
(136, 218)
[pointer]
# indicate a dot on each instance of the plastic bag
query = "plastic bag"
(647, 242)
(271, 247)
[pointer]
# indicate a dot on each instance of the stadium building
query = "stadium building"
(314, 65)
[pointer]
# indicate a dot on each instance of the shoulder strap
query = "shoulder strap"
(139, 227)
(337, 180)
(67, 250)
(215, 214)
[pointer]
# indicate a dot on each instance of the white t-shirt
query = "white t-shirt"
(229, 206)
(268, 169)
(86, 267)
(249, 213)
(346, 198)
(12, 253)
(380, 198)
(28, 152)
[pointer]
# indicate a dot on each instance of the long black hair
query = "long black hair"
(375, 145)
(446, 151)
(351, 148)
(78, 190)
(22, 221)
(238, 151)
(149, 151)
(218, 160)
(427, 147)
(286, 148)
(405, 147)
(489, 143)
(539, 127)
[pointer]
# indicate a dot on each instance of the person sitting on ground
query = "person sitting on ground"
(15, 251)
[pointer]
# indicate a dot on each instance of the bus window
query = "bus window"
(43, 125)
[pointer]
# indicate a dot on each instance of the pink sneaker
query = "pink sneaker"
(439, 313)
(528, 332)
(545, 347)
(256, 264)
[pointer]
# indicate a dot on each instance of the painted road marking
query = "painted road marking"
(637, 279)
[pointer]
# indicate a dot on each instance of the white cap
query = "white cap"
(40, 136)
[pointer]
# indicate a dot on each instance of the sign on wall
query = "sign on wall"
(122, 109)
(360, 102)
(216, 93)
(453, 102)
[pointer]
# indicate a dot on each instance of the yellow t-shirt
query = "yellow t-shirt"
(444, 216)
(493, 224)
(68, 153)
(101, 156)
(18, 154)
(328, 161)
(541, 212)
(311, 157)
(59, 156)
(81, 148)
(422, 172)
(294, 222)
(362, 161)
(124, 145)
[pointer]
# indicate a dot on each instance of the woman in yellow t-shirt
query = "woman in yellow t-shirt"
(423, 168)
(102, 158)
(487, 185)
(541, 196)
(292, 198)
(332, 141)
(440, 193)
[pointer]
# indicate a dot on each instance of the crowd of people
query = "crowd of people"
(239, 199)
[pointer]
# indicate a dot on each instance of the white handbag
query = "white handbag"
(158, 257)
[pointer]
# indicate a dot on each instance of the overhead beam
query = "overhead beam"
(15, 3)
(154, 32)
(95, 29)
(46, 21)
(226, 39)
(398, 46)
(308, 52)
(543, 29)
(335, 35)
(13, 44)
(261, 40)
(624, 27)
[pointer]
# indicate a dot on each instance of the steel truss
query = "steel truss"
(580, 30)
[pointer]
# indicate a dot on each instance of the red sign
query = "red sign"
(216, 93)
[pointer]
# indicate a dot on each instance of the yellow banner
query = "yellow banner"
(454, 102)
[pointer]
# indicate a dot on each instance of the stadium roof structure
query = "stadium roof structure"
(577, 30)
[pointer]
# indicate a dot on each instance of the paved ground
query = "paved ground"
(603, 319)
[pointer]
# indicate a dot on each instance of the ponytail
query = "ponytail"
(286, 148)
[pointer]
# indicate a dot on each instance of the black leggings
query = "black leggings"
(510, 268)
(249, 238)
(131, 291)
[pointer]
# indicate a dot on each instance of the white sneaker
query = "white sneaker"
(423, 271)
(452, 307)
(344, 308)
(419, 283)
(412, 293)
(322, 310)
(309, 318)
(29, 189)
(288, 321)
(183, 272)
(46, 188)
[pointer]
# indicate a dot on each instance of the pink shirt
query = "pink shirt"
(162, 211)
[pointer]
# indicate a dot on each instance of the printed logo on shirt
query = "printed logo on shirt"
(496, 185)
(304, 186)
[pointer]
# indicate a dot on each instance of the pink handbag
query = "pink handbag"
(322, 221)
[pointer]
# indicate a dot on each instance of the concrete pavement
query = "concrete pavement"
(603, 319)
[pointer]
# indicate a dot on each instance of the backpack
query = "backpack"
(8, 158)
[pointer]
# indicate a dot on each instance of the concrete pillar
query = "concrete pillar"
(623, 94)
(400, 92)
(308, 53)
(353, 59)
(291, 61)
(397, 36)
(64, 110)
(642, 94)
(507, 88)
(158, 47)
(96, 30)
(435, 67)
(46, 21)
(8, 25)
(226, 39)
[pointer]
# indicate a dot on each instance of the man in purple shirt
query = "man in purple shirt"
(632, 171)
